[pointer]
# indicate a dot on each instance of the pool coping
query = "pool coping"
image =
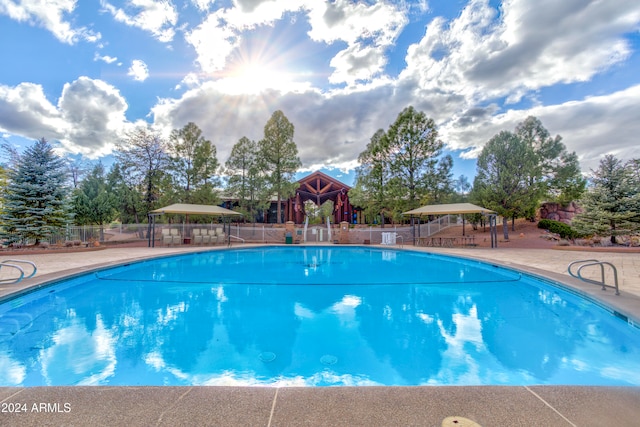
(533, 405)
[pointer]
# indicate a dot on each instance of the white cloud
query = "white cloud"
(48, 14)
(105, 58)
(203, 5)
(191, 80)
(592, 127)
(221, 32)
(157, 17)
(247, 14)
(138, 70)
(368, 31)
(25, 110)
(468, 73)
(355, 63)
(328, 129)
(464, 72)
(213, 43)
(483, 55)
(89, 117)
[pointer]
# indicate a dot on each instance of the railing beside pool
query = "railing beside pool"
(15, 265)
(593, 263)
(250, 233)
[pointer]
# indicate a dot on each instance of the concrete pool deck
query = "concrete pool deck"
(348, 406)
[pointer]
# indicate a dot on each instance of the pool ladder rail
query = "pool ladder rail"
(13, 263)
(391, 238)
(591, 263)
(234, 237)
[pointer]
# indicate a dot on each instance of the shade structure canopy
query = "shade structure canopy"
(458, 209)
(187, 209)
(190, 209)
(448, 209)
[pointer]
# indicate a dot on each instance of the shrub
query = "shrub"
(560, 228)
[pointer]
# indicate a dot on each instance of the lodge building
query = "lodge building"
(318, 188)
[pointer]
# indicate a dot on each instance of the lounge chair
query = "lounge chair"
(220, 235)
(167, 239)
(176, 238)
(197, 237)
(206, 238)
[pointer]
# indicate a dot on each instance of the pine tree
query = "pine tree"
(611, 206)
(93, 203)
(3, 187)
(246, 181)
(36, 199)
(278, 155)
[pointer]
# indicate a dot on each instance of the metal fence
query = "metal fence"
(249, 233)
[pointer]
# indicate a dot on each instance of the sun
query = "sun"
(257, 77)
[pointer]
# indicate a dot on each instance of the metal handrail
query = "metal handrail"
(8, 263)
(590, 263)
(401, 239)
(235, 237)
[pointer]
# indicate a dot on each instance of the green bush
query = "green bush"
(563, 230)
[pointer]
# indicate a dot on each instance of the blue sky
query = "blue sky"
(83, 74)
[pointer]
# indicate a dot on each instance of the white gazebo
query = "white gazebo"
(458, 209)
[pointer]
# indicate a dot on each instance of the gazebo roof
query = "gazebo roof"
(451, 208)
(190, 209)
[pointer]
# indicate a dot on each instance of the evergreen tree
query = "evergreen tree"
(371, 177)
(402, 168)
(611, 204)
(502, 181)
(518, 170)
(554, 173)
(413, 149)
(246, 182)
(129, 203)
(278, 157)
(93, 203)
(193, 164)
(36, 196)
(3, 187)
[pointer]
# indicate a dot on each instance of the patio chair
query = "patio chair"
(212, 236)
(197, 237)
(220, 235)
(176, 238)
(206, 238)
(167, 239)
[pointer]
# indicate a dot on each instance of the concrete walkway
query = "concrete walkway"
(361, 406)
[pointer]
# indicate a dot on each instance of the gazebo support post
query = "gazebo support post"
(413, 230)
(151, 231)
(493, 230)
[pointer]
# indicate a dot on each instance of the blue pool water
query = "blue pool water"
(312, 316)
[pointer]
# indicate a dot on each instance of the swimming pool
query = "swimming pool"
(312, 316)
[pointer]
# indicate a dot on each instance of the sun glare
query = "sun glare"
(254, 78)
